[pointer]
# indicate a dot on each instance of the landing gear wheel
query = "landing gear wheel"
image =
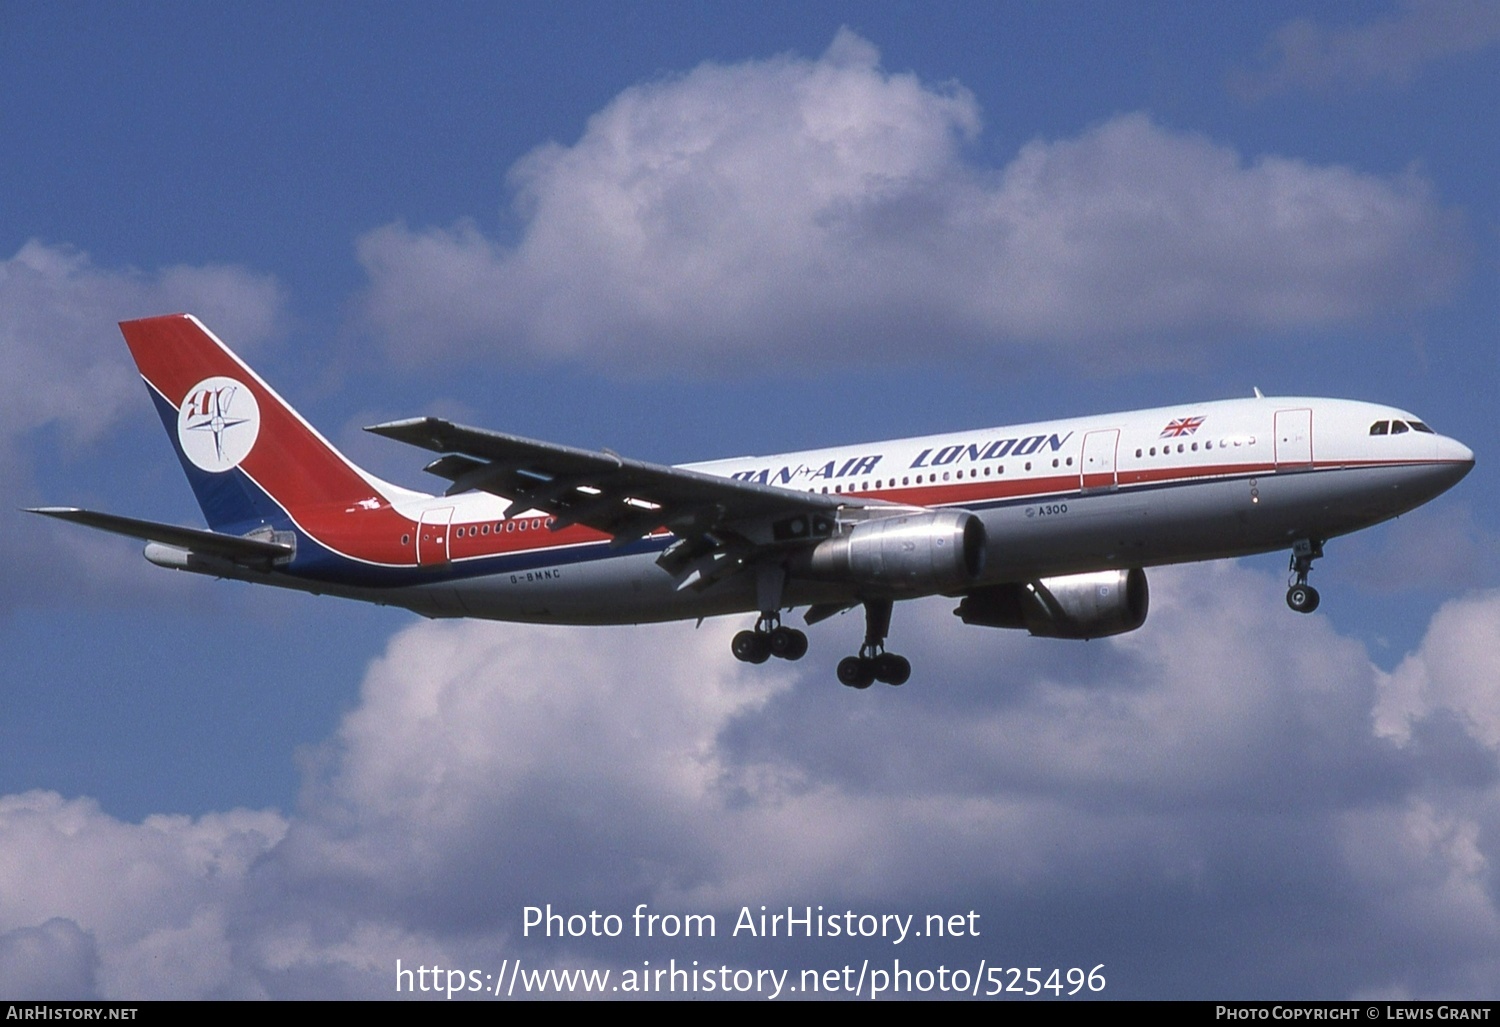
(873, 663)
(856, 672)
(751, 647)
(1302, 598)
(892, 669)
(788, 643)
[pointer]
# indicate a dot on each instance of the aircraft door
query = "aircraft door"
(1293, 438)
(1098, 470)
(432, 537)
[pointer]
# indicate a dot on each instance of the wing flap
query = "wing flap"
(600, 490)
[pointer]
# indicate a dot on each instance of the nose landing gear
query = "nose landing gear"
(1301, 596)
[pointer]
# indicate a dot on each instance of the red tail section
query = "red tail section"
(250, 457)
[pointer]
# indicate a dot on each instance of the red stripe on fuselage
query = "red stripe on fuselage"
(1001, 488)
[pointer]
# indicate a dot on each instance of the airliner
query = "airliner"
(1045, 527)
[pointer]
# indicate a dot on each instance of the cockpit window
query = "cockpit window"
(1399, 427)
(1419, 426)
(1380, 428)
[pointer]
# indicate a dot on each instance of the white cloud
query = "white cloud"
(150, 898)
(56, 960)
(1455, 671)
(65, 360)
(1392, 50)
(1222, 789)
(815, 210)
(67, 370)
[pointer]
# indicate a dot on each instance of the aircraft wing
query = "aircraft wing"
(627, 499)
(236, 548)
(600, 490)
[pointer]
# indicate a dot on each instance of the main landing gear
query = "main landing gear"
(770, 638)
(873, 663)
(1301, 596)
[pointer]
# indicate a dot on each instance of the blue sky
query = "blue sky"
(686, 231)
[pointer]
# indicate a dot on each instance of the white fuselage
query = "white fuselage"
(1134, 489)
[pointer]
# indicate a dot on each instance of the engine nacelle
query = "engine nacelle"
(1072, 606)
(918, 552)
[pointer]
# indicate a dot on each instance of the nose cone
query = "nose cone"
(1457, 452)
(1452, 460)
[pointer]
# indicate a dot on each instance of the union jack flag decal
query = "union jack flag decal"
(1180, 427)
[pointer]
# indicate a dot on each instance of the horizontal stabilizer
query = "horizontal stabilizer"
(208, 543)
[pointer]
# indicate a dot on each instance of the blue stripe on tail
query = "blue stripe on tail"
(230, 503)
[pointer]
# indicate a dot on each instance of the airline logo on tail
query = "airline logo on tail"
(218, 423)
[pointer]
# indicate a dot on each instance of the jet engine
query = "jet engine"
(1071, 606)
(918, 552)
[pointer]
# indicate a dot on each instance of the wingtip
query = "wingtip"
(393, 427)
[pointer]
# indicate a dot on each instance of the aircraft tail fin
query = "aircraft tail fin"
(250, 458)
